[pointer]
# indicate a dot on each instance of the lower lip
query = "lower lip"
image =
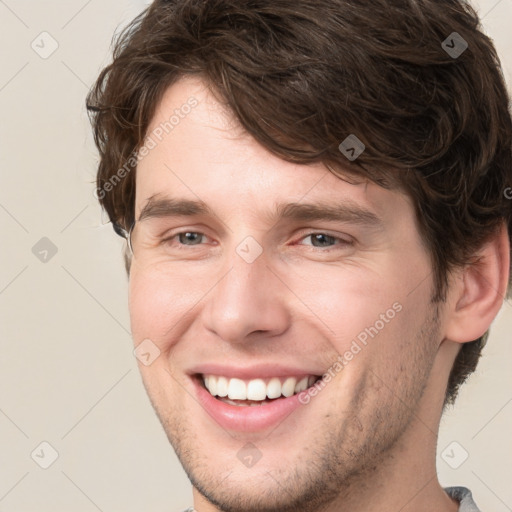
(246, 418)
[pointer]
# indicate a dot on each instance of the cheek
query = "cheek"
(346, 299)
(397, 343)
(151, 306)
(162, 304)
(367, 315)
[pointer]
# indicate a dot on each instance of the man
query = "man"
(313, 194)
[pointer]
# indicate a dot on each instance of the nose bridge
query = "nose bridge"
(248, 298)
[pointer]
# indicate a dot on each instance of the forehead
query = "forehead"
(200, 152)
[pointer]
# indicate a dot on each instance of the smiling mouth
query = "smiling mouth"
(255, 392)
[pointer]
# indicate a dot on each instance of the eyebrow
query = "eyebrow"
(346, 211)
(168, 207)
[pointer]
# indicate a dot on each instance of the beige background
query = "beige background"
(67, 373)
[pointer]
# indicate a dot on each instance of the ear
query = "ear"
(478, 290)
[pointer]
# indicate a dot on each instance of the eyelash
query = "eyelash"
(342, 241)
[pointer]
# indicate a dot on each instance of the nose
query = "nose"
(248, 301)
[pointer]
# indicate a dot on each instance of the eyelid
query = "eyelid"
(344, 239)
(174, 236)
(169, 232)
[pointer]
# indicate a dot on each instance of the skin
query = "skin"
(367, 441)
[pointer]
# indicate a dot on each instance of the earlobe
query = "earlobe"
(478, 290)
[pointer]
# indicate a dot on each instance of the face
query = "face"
(255, 277)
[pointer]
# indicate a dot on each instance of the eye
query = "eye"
(190, 238)
(315, 239)
(185, 238)
(324, 240)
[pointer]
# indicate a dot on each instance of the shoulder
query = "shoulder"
(463, 496)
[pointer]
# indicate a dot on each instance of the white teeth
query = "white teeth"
(237, 390)
(255, 389)
(301, 385)
(241, 404)
(222, 386)
(289, 386)
(274, 388)
(212, 385)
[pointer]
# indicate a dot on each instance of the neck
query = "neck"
(405, 479)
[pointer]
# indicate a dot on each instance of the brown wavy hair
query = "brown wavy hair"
(300, 76)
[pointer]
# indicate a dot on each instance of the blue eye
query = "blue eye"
(190, 238)
(320, 239)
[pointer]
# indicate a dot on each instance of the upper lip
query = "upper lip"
(264, 371)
